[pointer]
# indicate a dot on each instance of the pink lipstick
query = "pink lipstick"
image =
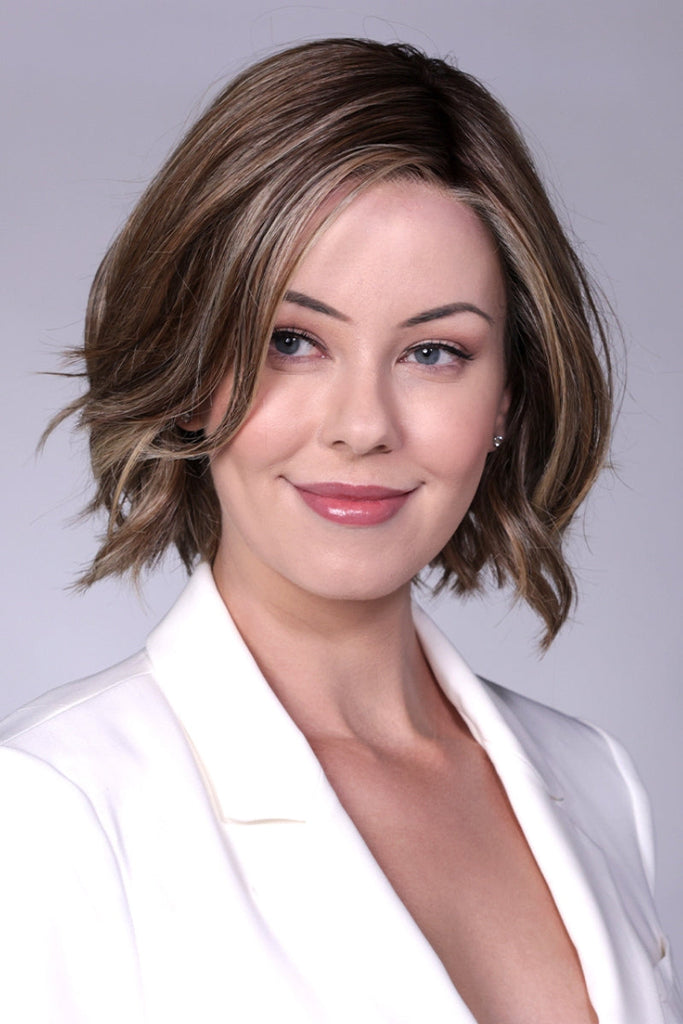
(353, 504)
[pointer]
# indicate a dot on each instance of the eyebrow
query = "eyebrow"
(438, 313)
(442, 311)
(299, 299)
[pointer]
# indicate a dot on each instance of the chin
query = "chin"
(354, 582)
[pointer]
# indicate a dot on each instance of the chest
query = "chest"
(447, 840)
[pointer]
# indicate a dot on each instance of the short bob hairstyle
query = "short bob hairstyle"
(189, 289)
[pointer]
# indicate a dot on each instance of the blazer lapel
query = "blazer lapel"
(313, 882)
(202, 662)
(615, 963)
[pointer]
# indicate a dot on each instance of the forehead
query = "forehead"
(399, 243)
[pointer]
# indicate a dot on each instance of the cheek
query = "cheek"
(272, 404)
(274, 429)
(277, 426)
(455, 437)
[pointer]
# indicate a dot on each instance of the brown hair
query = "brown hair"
(190, 287)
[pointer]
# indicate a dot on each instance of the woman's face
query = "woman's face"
(383, 388)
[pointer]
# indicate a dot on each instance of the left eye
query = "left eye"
(435, 355)
(291, 343)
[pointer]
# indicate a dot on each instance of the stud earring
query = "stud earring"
(497, 440)
(185, 425)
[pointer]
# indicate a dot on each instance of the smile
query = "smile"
(353, 505)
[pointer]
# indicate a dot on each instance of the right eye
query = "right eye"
(289, 344)
(290, 347)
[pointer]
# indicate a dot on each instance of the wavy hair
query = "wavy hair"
(189, 289)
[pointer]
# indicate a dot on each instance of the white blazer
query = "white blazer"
(171, 851)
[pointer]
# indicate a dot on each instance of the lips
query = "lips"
(353, 504)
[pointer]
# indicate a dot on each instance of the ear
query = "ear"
(192, 422)
(209, 415)
(500, 424)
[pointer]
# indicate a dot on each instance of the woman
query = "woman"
(342, 337)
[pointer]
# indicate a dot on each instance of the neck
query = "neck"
(342, 668)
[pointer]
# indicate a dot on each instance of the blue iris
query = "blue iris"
(286, 344)
(428, 355)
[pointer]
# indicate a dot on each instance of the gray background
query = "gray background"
(97, 93)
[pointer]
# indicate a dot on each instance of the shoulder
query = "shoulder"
(83, 697)
(559, 740)
(86, 715)
(93, 745)
(548, 733)
(588, 767)
(86, 732)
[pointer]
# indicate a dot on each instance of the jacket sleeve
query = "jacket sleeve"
(67, 949)
(669, 990)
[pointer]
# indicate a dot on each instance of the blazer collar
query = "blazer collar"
(476, 702)
(257, 762)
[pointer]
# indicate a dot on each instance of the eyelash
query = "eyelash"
(440, 346)
(300, 335)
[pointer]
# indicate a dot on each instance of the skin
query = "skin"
(355, 405)
(370, 391)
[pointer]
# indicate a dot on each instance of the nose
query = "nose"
(361, 413)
